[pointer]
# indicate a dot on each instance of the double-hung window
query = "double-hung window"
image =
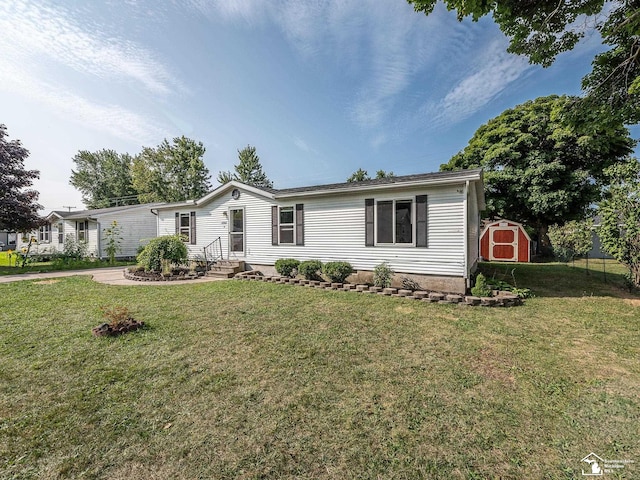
(44, 233)
(287, 225)
(186, 227)
(82, 231)
(60, 232)
(396, 222)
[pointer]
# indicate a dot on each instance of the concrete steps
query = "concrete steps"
(226, 268)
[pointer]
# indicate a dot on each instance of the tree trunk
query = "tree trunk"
(543, 247)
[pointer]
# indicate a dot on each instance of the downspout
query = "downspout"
(98, 242)
(465, 232)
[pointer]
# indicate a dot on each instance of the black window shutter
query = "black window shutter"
(368, 220)
(274, 225)
(192, 224)
(299, 224)
(177, 223)
(421, 221)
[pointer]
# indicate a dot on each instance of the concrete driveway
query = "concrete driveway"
(109, 276)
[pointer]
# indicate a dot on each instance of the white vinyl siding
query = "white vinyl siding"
(334, 229)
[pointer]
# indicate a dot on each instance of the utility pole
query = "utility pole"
(65, 206)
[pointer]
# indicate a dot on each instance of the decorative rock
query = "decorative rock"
(436, 297)
(488, 301)
(404, 293)
(375, 289)
(389, 291)
(336, 286)
(420, 294)
(314, 283)
(454, 298)
(362, 288)
(474, 301)
(303, 282)
(324, 284)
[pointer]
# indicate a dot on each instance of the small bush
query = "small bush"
(287, 266)
(382, 275)
(337, 272)
(169, 248)
(481, 288)
(117, 317)
(310, 269)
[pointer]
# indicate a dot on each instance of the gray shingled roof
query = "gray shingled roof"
(101, 211)
(377, 181)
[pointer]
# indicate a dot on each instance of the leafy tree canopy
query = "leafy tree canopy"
(541, 169)
(619, 230)
(543, 29)
(18, 207)
(104, 178)
(361, 175)
(248, 170)
(171, 172)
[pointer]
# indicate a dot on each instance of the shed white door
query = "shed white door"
(503, 244)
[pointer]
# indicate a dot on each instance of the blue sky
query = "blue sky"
(319, 87)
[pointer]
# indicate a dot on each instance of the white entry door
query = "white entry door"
(236, 232)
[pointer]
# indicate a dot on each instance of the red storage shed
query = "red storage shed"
(505, 241)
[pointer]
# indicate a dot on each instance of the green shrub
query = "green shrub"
(337, 272)
(169, 248)
(287, 267)
(310, 269)
(382, 275)
(481, 288)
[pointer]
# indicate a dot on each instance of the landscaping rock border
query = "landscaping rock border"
(500, 298)
(159, 278)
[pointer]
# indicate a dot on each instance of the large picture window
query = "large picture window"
(396, 222)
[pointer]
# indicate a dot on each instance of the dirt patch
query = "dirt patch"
(494, 366)
(46, 282)
(634, 302)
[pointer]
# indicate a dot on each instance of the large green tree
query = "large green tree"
(171, 172)
(104, 178)
(541, 169)
(248, 170)
(18, 207)
(619, 230)
(542, 29)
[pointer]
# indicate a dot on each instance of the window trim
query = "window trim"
(84, 231)
(376, 224)
(289, 226)
(60, 232)
(44, 233)
(186, 233)
(419, 221)
(296, 227)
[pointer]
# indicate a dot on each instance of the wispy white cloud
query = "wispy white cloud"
(491, 74)
(109, 118)
(39, 33)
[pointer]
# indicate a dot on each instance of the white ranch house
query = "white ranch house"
(138, 225)
(426, 224)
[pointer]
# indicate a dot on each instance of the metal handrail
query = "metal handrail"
(213, 252)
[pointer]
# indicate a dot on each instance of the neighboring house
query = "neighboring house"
(425, 224)
(596, 250)
(8, 240)
(137, 226)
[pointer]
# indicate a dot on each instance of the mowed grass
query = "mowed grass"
(10, 265)
(253, 380)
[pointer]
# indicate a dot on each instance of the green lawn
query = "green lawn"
(253, 380)
(8, 265)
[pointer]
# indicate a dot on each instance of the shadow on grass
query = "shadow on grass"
(563, 280)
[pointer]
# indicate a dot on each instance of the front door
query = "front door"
(503, 244)
(236, 232)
